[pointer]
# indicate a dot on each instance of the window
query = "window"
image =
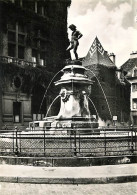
(134, 87)
(21, 28)
(135, 103)
(21, 52)
(11, 50)
(17, 112)
(16, 40)
(39, 47)
(12, 26)
(135, 73)
(21, 39)
(11, 36)
(17, 82)
(135, 120)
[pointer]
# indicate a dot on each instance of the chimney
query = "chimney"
(133, 55)
(112, 57)
(118, 73)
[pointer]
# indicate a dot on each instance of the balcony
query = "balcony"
(16, 61)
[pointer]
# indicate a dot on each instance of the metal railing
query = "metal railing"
(68, 143)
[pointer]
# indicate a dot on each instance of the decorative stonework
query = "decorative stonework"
(28, 54)
(3, 44)
(17, 82)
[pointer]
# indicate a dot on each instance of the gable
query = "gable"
(97, 55)
(129, 65)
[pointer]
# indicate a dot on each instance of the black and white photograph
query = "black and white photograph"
(68, 97)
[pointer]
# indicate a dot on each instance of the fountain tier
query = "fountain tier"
(74, 110)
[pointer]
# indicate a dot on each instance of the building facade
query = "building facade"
(129, 70)
(110, 93)
(33, 41)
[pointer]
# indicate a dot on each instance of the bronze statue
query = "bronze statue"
(75, 36)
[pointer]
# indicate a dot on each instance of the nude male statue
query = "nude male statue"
(75, 36)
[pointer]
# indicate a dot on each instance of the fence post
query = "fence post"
(20, 141)
(128, 141)
(132, 145)
(135, 138)
(13, 140)
(79, 143)
(16, 142)
(105, 140)
(44, 141)
(75, 143)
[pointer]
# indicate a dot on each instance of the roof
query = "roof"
(97, 55)
(129, 64)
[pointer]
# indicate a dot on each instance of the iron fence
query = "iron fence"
(69, 143)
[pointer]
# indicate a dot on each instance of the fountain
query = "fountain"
(74, 109)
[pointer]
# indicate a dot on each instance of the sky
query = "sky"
(114, 22)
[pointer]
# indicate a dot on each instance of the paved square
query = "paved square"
(57, 189)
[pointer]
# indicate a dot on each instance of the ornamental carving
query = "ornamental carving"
(65, 95)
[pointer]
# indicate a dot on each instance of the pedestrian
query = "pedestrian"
(75, 36)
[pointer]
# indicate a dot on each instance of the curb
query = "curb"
(98, 180)
(68, 161)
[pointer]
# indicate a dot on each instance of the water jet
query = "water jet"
(74, 110)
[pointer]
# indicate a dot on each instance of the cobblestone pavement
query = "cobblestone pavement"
(57, 189)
